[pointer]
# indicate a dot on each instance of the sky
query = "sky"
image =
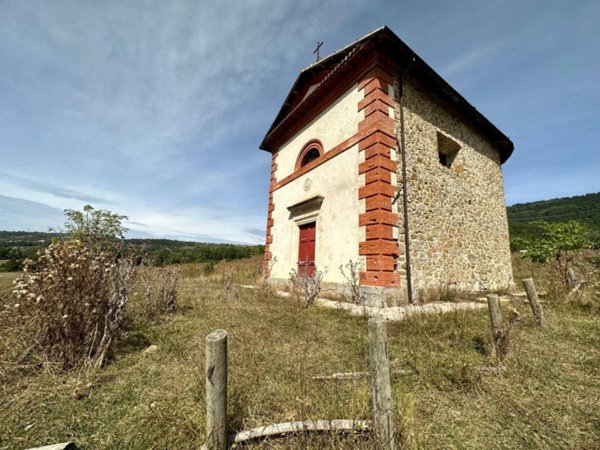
(155, 109)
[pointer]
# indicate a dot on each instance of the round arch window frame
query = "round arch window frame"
(310, 145)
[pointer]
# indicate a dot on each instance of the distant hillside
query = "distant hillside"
(17, 245)
(24, 238)
(583, 208)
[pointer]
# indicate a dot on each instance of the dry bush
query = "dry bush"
(157, 287)
(267, 268)
(502, 338)
(228, 282)
(585, 290)
(208, 268)
(582, 291)
(351, 272)
(444, 292)
(305, 288)
(71, 301)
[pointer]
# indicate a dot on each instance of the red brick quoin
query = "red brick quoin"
(271, 207)
(380, 247)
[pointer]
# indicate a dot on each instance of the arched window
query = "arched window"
(312, 150)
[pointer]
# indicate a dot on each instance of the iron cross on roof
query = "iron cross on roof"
(319, 44)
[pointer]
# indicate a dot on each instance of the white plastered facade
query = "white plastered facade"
(336, 181)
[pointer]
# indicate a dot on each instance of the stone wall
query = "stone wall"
(457, 216)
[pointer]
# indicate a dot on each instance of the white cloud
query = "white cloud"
(142, 105)
(157, 108)
(472, 60)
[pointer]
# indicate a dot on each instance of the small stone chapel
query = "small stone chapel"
(376, 159)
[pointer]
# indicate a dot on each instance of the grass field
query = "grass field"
(6, 281)
(547, 397)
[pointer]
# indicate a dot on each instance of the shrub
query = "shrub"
(558, 244)
(158, 288)
(97, 228)
(72, 300)
(209, 268)
(351, 272)
(305, 288)
(12, 265)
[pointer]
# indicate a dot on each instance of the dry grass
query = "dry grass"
(6, 282)
(546, 398)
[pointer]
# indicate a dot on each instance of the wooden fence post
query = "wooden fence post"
(573, 282)
(534, 301)
(381, 391)
(496, 319)
(216, 390)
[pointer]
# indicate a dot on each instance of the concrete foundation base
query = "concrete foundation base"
(372, 296)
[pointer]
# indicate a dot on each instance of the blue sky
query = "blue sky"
(155, 109)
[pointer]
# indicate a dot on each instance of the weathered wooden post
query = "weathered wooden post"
(496, 319)
(573, 282)
(381, 391)
(216, 390)
(534, 301)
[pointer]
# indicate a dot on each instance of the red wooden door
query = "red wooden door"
(306, 251)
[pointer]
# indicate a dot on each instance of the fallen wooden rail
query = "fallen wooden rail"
(279, 429)
(341, 376)
(354, 375)
(61, 446)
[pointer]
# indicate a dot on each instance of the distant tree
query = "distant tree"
(12, 265)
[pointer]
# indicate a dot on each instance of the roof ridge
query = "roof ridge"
(320, 61)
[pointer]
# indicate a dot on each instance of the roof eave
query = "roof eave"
(421, 71)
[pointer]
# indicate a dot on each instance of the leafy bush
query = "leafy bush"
(209, 268)
(555, 239)
(97, 228)
(558, 244)
(12, 265)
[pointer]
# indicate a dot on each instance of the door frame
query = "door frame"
(302, 213)
(311, 267)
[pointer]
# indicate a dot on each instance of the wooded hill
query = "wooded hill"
(583, 208)
(16, 245)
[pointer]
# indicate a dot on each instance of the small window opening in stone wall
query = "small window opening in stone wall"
(447, 149)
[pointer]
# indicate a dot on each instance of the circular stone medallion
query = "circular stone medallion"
(307, 184)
